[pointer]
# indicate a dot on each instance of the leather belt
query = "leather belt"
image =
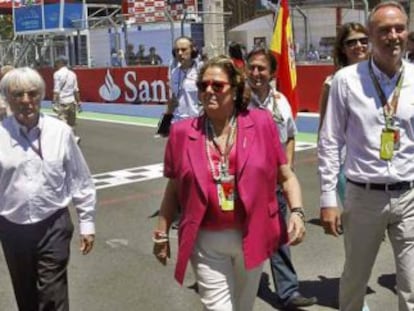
(398, 186)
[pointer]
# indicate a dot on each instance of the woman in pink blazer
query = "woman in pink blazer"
(223, 168)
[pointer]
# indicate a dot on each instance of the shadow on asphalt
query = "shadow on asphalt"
(325, 289)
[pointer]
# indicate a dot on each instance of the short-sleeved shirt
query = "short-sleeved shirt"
(65, 83)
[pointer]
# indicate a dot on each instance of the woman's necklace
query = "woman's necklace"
(223, 166)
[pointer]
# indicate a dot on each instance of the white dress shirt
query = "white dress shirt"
(354, 118)
(65, 84)
(287, 127)
(42, 171)
(184, 88)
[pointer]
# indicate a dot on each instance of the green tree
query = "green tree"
(6, 27)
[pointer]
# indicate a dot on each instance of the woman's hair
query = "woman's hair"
(236, 79)
(22, 77)
(235, 50)
(271, 59)
(340, 58)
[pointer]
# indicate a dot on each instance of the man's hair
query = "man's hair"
(20, 77)
(62, 59)
(390, 3)
(271, 59)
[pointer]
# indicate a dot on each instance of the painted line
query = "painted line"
(147, 172)
(128, 176)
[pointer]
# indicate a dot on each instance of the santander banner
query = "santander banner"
(132, 85)
(149, 84)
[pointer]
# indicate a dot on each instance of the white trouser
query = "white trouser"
(367, 215)
(223, 282)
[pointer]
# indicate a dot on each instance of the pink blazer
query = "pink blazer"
(258, 155)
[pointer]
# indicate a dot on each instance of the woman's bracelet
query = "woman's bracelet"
(299, 211)
(160, 237)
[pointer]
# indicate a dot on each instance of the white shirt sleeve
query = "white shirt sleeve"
(331, 141)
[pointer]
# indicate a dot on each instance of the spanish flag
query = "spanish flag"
(283, 48)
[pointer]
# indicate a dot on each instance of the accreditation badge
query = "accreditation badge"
(387, 144)
(226, 195)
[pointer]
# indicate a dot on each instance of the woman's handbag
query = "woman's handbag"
(164, 124)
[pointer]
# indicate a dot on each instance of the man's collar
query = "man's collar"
(21, 128)
(381, 76)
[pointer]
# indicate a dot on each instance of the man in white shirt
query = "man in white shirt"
(371, 112)
(183, 73)
(66, 96)
(42, 171)
(261, 68)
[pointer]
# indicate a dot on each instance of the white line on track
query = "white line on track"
(148, 172)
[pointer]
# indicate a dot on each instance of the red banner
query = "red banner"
(137, 85)
(149, 85)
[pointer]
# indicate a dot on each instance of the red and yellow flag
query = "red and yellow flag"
(284, 49)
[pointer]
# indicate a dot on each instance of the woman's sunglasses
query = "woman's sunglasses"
(353, 42)
(216, 86)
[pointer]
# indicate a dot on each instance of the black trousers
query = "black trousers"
(37, 256)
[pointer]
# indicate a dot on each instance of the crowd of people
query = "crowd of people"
(140, 57)
(229, 164)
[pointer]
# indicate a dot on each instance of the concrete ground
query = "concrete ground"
(121, 272)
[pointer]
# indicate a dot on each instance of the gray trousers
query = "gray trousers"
(37, 256)
(367, 216)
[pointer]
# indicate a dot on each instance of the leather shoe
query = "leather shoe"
(300, 301)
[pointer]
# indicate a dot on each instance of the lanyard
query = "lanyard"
(223, 169)
(270, 99)
(182, 75)
(37, 150)
(389, 109)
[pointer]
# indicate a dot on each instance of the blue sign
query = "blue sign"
(31, 18)
(52, 14)
(73, 12)
(28, 18)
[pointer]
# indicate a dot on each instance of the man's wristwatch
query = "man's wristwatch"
(299, 211)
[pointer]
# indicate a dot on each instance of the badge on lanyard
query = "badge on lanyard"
(225, 190)
(387, 144)
(397, 143)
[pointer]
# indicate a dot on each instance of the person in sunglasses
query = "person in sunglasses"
(261, 68)
(42, 171)
(370, 112)
(351, 46)
(219, 177)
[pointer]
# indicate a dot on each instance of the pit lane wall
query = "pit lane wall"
(149, 84)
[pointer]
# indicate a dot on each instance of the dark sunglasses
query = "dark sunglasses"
(216, 86)
(353, 42)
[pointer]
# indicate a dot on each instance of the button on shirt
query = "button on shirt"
(42, 171)
(184, 87)
(354, 118)
(65, 84)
